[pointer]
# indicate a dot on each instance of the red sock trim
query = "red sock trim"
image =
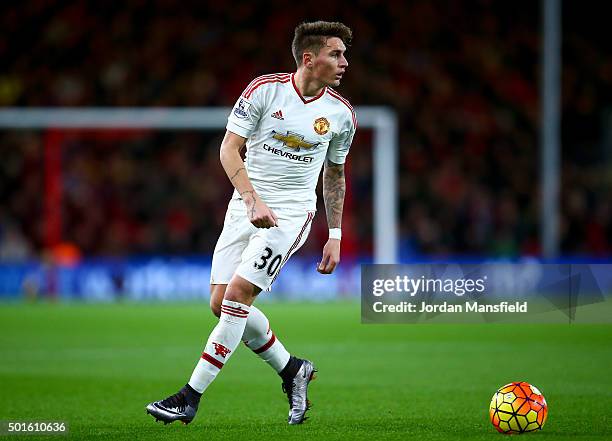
(234, 309)
(212, 360)
(236, 312)
(224, 311)
(265, 347)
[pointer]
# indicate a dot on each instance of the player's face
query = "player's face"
(329, 64)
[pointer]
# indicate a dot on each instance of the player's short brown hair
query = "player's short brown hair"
(313, 36)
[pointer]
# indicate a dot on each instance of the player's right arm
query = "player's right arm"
(259, 213)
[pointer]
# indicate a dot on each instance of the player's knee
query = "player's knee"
(241, 291)
(238, 295)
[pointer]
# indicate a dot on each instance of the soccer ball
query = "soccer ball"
(518, 408)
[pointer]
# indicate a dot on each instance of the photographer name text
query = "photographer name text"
(447, 307)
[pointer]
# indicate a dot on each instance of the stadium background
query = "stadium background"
(464, 80)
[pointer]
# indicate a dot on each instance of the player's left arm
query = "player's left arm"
(334, 188)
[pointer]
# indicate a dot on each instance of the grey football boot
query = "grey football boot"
(297, 392)
(174, 408)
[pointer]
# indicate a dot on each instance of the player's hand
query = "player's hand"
(331, 257)
(260, 214)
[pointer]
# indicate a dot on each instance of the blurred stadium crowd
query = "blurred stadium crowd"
(463, 77)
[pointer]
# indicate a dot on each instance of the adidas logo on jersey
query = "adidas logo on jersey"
(278, 115)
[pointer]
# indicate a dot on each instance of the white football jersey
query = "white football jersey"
(289, 137)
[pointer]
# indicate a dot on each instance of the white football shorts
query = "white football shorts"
(257, 254)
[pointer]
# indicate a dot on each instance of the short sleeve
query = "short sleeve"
(245, 115)
(341, 143)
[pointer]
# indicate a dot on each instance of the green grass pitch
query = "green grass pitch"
(97, 366)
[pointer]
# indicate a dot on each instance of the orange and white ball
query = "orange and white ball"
(518, 408)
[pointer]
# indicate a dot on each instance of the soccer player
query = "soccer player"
(292, 124)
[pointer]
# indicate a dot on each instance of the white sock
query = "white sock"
(221, 344)
(261, 340)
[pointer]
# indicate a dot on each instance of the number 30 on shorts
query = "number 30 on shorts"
(274, 263)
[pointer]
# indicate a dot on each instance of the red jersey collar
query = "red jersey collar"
(306, 101)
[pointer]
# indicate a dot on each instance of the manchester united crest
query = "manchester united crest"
(321, 126)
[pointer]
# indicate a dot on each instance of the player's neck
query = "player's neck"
(307, 85)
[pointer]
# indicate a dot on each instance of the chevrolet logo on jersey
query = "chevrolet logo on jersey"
(294, 140)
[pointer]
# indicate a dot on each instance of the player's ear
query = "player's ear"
(307, 58)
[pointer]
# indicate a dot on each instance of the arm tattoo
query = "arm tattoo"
(252, 207)
(249, 192)
(334, 187)
(236, 174)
